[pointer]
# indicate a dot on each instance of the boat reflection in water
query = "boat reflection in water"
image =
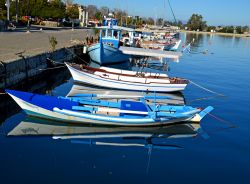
(174, 98)
(148, 137)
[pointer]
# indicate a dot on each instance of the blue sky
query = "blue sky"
(215, 12)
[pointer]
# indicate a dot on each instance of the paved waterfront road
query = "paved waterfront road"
(37, 41)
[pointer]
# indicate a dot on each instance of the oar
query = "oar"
(108, 110)
(105, 135)
(119, 96)
(147, 146)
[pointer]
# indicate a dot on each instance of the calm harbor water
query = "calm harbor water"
(219, 154)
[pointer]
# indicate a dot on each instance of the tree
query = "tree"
(104, 10)
(239, 30)
(150, 21)
(119, 15)
(92, 9)
(39, 8)
(160, 21)
(3, 10)
(98, 16)
(210, 28)
(196, 22)
(72, 11)
(227, 29)
(245, 29)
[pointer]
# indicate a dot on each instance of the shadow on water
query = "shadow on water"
(155, 137)
(176, 98)
(42, 84)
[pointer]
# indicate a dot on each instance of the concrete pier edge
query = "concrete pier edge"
(17, 70)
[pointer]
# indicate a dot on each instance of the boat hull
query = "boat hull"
(36, 111)
(69, 110)
(94, 80)
(104, 54)
(35, 107)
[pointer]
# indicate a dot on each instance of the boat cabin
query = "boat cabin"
(110, 36)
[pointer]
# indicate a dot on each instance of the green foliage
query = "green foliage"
(72, 12)
(2, 10)
(232, 29)
(210, 28)
(38, 8)
(196, 23)
(98, 16)
(227, 29)
(239, 30)
(150, 21)
(245, 29)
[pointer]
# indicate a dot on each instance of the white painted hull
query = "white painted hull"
(82, 118)
(125, 83)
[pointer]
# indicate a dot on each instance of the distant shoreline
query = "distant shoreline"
(217, 33)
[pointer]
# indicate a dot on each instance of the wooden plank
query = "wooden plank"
(150, 52)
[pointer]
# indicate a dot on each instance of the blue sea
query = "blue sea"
(218, 153)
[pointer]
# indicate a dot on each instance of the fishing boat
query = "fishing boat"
(126, 80)
(86, 109)
(107, 50)
(167, 45)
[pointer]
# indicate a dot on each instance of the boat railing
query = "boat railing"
(137, 74)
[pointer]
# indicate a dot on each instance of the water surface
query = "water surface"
(219, 63)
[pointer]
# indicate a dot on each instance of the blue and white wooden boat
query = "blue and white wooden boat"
(85, 109)
(107, 50)
(107, 53)
(126, 80)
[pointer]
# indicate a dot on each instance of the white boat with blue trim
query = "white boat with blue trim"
(87, 109)
(126, 80)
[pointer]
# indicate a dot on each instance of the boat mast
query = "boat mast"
(172, 11)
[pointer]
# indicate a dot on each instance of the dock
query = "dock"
(150, 52)
(24, 55)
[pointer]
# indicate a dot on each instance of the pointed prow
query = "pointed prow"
(198, 117)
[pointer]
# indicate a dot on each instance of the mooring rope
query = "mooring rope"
(52, 68)
(204, 98)
(76, 55)
(54, 61)
(206, 89)
(232, 125)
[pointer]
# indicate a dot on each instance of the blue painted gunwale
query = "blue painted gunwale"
(50, 102)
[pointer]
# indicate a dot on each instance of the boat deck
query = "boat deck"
(150, 52)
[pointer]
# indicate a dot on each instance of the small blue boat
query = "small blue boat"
(107, 50)
(103, 54)
(89, 109)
